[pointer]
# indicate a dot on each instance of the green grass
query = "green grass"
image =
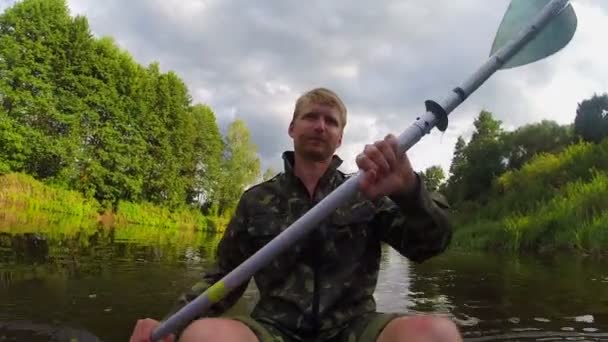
(25, 200)
(553, 202)
(146, 214)
(22, 192)
(576, 218)
(543, 178)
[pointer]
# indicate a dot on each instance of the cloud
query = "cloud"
(252, 59)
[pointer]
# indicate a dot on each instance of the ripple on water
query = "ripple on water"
(531, 335)
(466, 320)
(514, 320)
(525, 329)
(473, 304)
(584, 318)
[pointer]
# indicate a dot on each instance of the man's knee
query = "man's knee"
(420, 328)
(217, 329)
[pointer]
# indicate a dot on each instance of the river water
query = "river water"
(71, 284)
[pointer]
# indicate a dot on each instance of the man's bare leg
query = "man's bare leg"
(218, 329)
(420, 329)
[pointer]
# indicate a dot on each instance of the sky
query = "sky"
(251, 60)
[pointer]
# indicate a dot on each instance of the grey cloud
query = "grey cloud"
(385, 59)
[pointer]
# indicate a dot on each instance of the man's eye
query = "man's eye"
(331, 121)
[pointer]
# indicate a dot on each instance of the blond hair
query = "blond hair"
(321, 96)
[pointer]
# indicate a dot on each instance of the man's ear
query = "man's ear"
(290, 129)
(340, 139)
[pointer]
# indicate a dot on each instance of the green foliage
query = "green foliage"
(13, 149)
(491, 152)
(22, 198)
(544, 176)
(79, 113)
(527, 141)
(241, 166)
(22, 192)
(591, 122)
(477, 163)
(556, 201)
(536, 188)
(33, 39)
(268, 174)
(149, 215)
(208, 150)
(433, 177)
(557, 223)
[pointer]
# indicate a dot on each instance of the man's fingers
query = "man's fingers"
(136, 335)
(393, 142)
(374, 153)
(143, 329)
(389, 154)
(367, 183)
(402, 159)
(365, 163)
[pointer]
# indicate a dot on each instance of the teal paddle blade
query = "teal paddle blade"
(553, 37)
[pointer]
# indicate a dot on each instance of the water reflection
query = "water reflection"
(58, 282)
(492, 295)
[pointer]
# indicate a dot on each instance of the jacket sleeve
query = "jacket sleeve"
(230, 253)
(416, 224)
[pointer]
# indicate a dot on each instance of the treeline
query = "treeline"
(79, 113)
(542, 186)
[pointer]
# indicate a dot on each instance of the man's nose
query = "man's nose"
(320, 124)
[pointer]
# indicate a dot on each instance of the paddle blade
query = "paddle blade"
(554, 36)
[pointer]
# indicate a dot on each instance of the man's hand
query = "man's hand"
(386, 173)
(143, 330)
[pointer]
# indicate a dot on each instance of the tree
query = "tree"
(80, 112)
(591, 121)
(452, 188)
(458, 158)
(476, 164)
(33, 36)
(208, 149)
(529, 140)
(433, 177)
(240, 167)
(484, 155)
(13, 147)
(268, 174)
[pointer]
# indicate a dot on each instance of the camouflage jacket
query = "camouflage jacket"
(329, 277)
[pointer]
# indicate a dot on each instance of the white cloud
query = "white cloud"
(348, 71)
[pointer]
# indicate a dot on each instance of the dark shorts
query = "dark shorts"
(366, 328)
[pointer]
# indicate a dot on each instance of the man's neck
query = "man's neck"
(310, 172)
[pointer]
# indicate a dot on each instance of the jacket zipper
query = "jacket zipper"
(316, 264)
(316, 294)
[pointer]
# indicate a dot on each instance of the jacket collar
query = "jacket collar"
(289, 163)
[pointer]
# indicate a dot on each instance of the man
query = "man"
(322, 288)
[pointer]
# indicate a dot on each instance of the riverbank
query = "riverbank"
(543, 207)
(24, 198)
(556, 202)
(575, 221)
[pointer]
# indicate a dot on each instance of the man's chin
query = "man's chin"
(316, 155)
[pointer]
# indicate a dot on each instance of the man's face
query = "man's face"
(316, 132)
